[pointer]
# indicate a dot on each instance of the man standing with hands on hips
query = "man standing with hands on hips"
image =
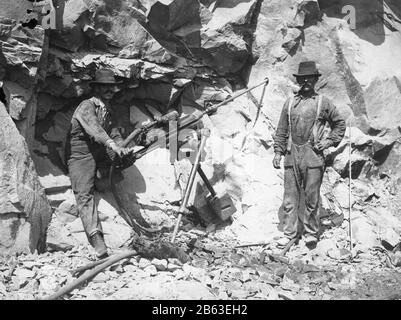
(301, 139)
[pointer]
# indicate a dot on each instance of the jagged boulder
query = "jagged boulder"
(390, 166)
(365, 150)
(24, 210)
(216, 34)
(21, 49)
(226, 38)
(383, 100)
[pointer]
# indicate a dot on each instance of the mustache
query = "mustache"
(304, 85)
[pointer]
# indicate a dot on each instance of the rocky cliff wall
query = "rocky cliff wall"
(25, 211)
(183, 53)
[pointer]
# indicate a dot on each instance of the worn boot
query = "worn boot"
(97, 242)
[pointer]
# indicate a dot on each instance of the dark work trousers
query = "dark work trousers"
(303, 177)
(85, 159)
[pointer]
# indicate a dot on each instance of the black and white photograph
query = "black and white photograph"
(202, 156)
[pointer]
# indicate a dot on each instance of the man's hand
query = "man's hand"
(120, 151)
(323, 145)
(277, 160)
(158, 118)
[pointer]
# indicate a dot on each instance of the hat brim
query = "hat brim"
(105, 82)
(307, 75)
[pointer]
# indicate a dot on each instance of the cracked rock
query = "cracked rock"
(173, 267)
(161, 265)
(101, 278)
(143, 263)
(151, 269)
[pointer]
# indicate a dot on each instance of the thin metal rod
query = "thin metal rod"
(349, 191)
(206, 181)
(214, 108)
(260, 104)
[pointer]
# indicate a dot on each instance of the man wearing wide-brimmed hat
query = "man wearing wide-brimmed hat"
(301, 137)
(91, 133)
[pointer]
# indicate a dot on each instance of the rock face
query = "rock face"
(24, 210)
(23, 52)
(215, 34)
(384, 92)
(185, 54)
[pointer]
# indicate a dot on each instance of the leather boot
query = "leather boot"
(97, 242)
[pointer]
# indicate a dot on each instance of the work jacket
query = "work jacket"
(92, 128)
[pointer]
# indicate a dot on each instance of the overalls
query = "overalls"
(303, 169)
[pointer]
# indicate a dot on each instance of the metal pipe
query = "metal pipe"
(213, 108)
(90, 274)
(349, 190)
(206, 181)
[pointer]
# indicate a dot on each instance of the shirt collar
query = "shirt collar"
(99, 103)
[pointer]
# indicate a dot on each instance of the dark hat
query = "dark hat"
(104, 76)
(307, 68)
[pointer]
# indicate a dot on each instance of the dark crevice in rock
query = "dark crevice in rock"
(354, 89)
(293, 46)
(356, 169)
(312, 13)
(15, 224)
(381, 155)
(397, 82)
(374, 132)
(245, 72)
(3, 98)
(54, 147)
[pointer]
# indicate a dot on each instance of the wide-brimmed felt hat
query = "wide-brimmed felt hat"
(307, 68)
(105, 77)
